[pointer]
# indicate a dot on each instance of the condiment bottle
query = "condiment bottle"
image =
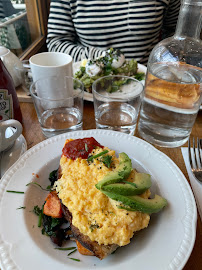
(173, 83)
(9, 104)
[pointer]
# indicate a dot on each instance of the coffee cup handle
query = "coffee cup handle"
(6, 142)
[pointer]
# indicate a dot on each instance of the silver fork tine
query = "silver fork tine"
(189, 150)
(195, 159)
(199, 152)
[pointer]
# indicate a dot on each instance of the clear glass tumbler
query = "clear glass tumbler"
(58, 102)
(117, 101)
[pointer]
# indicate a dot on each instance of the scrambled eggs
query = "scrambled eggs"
(93, 213)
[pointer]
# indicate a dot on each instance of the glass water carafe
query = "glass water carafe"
(173, 83)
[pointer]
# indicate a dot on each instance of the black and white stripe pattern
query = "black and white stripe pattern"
(2, 14)
(85, 28)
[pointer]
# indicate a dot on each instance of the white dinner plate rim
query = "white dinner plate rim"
(189, 223)
(89, 96)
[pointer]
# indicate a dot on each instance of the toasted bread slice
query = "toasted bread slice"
(100, 251)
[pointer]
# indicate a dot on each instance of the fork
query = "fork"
(195, 158)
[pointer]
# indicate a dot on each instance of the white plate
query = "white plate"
(89, 96)
(166, 244)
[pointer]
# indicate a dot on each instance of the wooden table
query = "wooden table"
(33, 135)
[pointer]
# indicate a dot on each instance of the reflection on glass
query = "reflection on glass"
(18, 24)
(14, 29)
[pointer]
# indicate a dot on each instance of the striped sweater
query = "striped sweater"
(85, 28)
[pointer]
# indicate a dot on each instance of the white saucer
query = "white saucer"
(10, 156)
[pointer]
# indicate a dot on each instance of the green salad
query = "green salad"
(111, 63)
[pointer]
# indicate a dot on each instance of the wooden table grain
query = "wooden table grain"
(33, 135)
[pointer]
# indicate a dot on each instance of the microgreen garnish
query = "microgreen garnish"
(21, 207)
(107, 160)
(40, 217)
(39, 213)
(37, 184)
(69, 248)
(77, 260)
(72, 252)
(14, 191)
(98, 155)
(53, 177)
(93, 227)
(86, 147)
(37, 210)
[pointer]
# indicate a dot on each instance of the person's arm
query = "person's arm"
(170, 20)
(62, 35)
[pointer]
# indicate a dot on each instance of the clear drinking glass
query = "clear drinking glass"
(58, 102)
(173, 83)
(117, 101)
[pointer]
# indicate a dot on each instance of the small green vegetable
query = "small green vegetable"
(53, 176)
(107, 160)
(98, 155)
(77, 260)
(139, 76)
(14, 191)
(51, 224)
(93, 227)
(72, 252)
(130, 183)
(122, 171)
(40, 217)
(37, 210)
(70, 248)
(37, 184)
(21, 207)
(39, 213)
(86, 147)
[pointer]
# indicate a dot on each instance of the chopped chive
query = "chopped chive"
(77, 260)
(37, 184)
(40, 217)
(21, 207)
(98, 155)
(14, 191)
(72, 252)
(70, 248)
(86, 147)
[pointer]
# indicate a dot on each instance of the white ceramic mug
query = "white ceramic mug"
(48, 64)
(10, 130)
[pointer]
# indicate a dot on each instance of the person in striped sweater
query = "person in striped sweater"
(86, 28)
(6, 9)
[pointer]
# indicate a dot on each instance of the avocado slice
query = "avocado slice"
(141, 183)
(121, 172)
(137, 203)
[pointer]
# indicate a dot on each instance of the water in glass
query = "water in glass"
(58, 120)
(171, 103)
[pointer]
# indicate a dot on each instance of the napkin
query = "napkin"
(195, 184)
